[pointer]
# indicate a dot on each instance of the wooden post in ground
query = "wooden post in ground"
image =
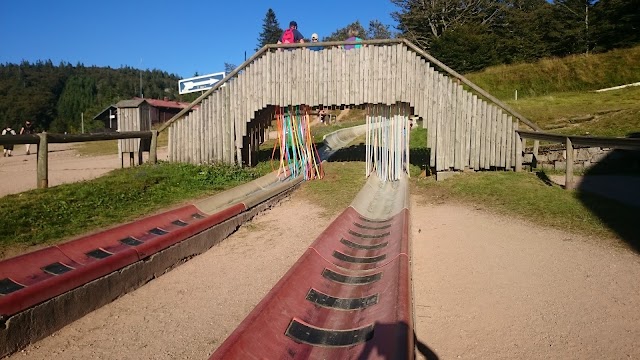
(568, 181)
(43, 162)
(518, 165)
(534, 159)
(153, 151)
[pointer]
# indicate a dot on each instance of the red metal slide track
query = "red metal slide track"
(347, 297)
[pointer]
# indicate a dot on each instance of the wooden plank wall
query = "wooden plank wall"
(464, 130)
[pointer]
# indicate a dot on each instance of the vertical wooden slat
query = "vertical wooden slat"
(498, 135)
(431, 118)
(446, 122)
(509, 154)
(365, 74)
(171, 133)
(219, 119)
(487, 134)
(457, 131)
(224, 139)
(343, 83)
(503, 142)
(439, 119)
(178, 150)
(197, 139)
(286, 78)
(423, 73)
(411, 66)
(294, 79)
(190, 131)
(393, 83)
(468, 134)
(473, 154)
(384, 64)
(208, 133)
(518, 146)
(452, 123)
(213, 135)
(266, 86)
(374, 75)
(326, 76)
(416, 80)
(200, 135)
(492, 135)
(349, 76)
(277, 77)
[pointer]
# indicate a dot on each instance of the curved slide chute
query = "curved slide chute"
(349, 294)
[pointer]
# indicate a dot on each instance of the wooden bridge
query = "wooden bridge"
(467, 127)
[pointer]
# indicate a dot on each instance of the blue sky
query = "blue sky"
(180, 37)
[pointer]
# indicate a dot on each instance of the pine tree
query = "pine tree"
(271, 30)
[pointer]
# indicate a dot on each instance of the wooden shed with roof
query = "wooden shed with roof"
(133, 115)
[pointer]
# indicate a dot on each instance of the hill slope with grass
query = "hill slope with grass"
(559, 94)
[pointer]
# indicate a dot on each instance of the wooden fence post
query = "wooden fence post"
(153, 151)
(43, 162)
(518, 165)
(534, 159)
(568, 181)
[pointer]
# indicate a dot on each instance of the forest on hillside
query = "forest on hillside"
(56, 97)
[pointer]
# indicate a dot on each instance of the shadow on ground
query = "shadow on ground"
(418, 156)
(611, 190)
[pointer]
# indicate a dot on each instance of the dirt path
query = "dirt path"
(485, 287)
(65, 166)
(491, 287)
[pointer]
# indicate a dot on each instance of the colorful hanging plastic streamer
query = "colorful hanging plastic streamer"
(298, 153)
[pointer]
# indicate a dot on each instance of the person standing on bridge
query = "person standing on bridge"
(314, 39)
(353, 36)
(9, 147)
(27, 128)
(291, 35)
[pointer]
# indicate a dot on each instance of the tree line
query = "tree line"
(469, 35)
(56, 97)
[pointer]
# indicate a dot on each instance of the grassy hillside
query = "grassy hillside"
(573, 73)
(558, 95)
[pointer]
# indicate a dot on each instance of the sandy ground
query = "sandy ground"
(65, 166)
(485, 287)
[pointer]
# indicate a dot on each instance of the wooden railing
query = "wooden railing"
(570, 141)
(44, 139)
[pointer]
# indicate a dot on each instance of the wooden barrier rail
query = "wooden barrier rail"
(43, 139)
(570, 141)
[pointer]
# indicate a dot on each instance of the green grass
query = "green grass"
(531, 197)
(110, 147)
(97, 148)
(558, 93)
(554, 75)
(611, 113)
(342, 182)
(49, 216)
